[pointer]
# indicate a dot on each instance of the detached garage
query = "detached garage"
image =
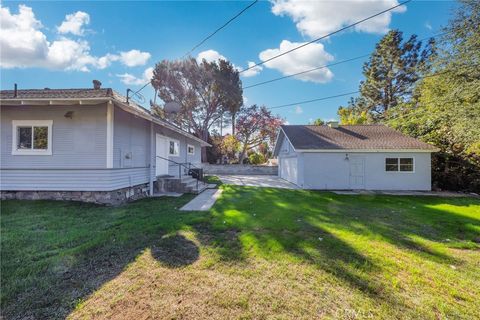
(368, 157)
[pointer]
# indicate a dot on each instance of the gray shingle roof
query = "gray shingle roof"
(351, 137)
(57, 93)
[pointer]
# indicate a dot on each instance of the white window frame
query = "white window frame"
(188, 152)
(398, 164)
(177, 153)
(31, 123)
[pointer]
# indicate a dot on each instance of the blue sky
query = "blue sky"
(68, 44)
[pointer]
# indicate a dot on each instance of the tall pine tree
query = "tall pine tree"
(390, 74)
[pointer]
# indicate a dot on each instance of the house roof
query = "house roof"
(57, 93)
(86, 96)
(350, 137)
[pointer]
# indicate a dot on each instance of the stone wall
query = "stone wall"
(114, 197)
(240, 169)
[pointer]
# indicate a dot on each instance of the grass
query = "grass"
(258, 254)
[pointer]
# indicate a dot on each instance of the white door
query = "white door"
(357, 172)
(161, 165)
(288, 169)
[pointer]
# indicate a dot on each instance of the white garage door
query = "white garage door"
(289, 169)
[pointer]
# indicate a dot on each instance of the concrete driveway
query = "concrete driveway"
(257, 181)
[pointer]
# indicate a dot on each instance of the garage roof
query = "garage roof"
(349, 137)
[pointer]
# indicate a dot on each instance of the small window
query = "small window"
(173, 148)
(406, 164)
(32, 137)
(391, 164)
(399, 164)
(190, 149)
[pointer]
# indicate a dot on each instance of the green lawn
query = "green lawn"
(258, 254)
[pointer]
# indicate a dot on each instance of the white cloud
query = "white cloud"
(210, 56)
(24, 45)
(309, 57)
(317, 18)
(74, 23)
(253, 71)
(298, 110)
(130, 79)
(428, 26)
(134, 58)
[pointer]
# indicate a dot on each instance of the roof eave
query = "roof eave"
(93, 101)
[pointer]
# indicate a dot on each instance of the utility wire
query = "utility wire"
(209, 36)
(347, 93)
(306, 71)
(328, 65)
(325, 36)
(221, 27)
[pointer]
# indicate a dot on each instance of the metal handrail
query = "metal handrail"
(180, 165)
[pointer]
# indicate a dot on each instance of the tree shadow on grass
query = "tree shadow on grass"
(55, 254)
(300, 224)
(90, 245)
(175, 251)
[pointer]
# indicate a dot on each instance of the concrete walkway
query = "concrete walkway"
(265, 181)
(204, 201)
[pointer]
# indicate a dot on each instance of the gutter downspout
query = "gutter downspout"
(152, 160)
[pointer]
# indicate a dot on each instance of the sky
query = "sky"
(68, 44)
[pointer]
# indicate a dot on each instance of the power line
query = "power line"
(314, 100)
(325, 36)
(208, 37)
(306, 71)
(221, 27)
(329, 65)
(348, 93)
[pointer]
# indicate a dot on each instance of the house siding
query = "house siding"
(79, 150)
(182, 157)
(131, 140)
(71, 179)
(79, 142)
(331, 170)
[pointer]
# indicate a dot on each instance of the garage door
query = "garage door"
(289, 169)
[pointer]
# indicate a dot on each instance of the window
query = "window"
(32, 137)
(190, 149)
(399, 164)
(173, 148)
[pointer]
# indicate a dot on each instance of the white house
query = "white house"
(89, 145)
(337, 157)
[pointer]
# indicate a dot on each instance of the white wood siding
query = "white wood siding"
(79, 142)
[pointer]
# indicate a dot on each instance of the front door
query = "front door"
(357, 173)
(161, 165)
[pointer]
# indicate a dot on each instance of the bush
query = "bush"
(256, 158)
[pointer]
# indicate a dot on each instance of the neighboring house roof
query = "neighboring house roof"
(86, 96)
(350, 137)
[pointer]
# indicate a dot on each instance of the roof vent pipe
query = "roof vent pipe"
(332, 124)
(96, 84)
(15, 90)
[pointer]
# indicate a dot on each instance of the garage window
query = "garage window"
(399, 164)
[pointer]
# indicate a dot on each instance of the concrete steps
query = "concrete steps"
(186, 184)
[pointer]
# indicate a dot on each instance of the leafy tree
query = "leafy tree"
(354, 113)
(204, 90)
(445, 108)
(230, 146)
(318, 122)
(256, 158)
(390, 76)
(256, 125)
